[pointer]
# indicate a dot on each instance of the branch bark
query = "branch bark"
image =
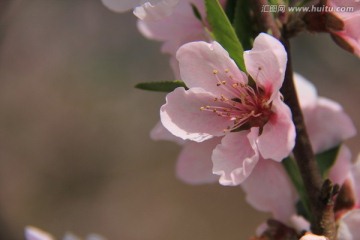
(322, 223)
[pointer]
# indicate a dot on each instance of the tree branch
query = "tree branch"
(322, 222)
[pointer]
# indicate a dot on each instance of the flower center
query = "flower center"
(247, 107)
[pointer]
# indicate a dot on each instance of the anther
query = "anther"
(215, 71)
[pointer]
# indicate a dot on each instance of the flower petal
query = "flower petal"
(155, 10)
(351, 33)
(159, 132)
(310, 236)
(306, 91)
(269, 189)
(266, 62)
(194, 165)
(278, 137)
(349, 226)
(181, 115)
(170, 28)
(204, 65)
(340, 170)
(327, 125)
(355, 172)
(299, 223)
(235, 158)
(33, 233)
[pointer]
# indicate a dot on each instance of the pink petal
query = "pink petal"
(299, 223)
(204, 65)
(351, 33)
(349, 226)
(306, 91)
(310, 236)
(328, 125)
(170, 28)
(159, 132)
(155, 10)
(33, 233)
(181, 115)
(278, 137)
(355, 172)
(340, 170)
(341, 3)
(194, 165)
(269, 189)
(266, 62)
(235, 158)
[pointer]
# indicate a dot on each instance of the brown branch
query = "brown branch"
(322, 222)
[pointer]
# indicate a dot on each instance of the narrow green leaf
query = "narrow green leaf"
(223, 31)
(326, 160)
(242, 24)
(165, 86)
(294, 174)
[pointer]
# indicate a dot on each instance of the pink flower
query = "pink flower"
(33, 233)
(264, 188)
(223, 102)
(149, 11)
(348, 35)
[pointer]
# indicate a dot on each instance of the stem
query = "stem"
(322, 222)
(303, 152)
(320, 194)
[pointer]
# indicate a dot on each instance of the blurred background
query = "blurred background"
(75, 152)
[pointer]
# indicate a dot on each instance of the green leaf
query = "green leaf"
(223, 32)
(242, 23)
(326, 160)
(294, 174)
(165, 86)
